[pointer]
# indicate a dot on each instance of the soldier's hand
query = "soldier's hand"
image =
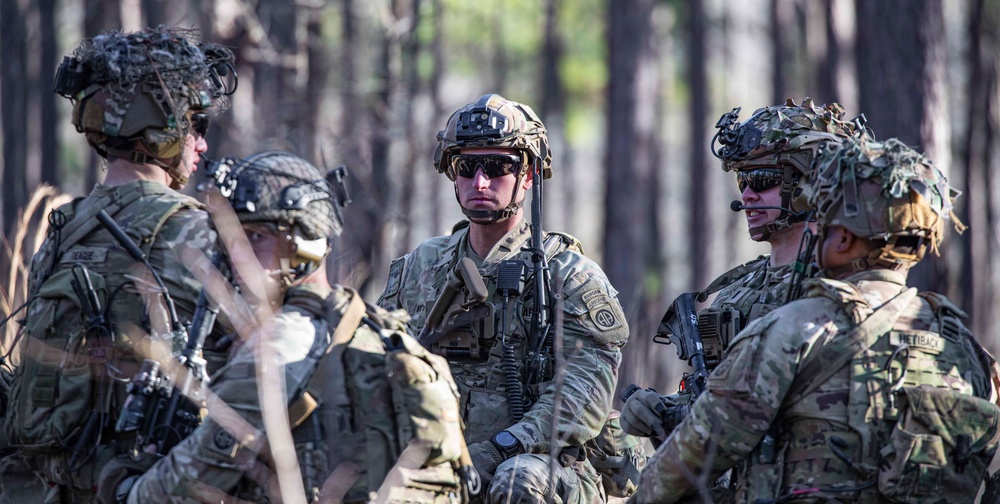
(486, 458)
(118, 476)
(643, 414)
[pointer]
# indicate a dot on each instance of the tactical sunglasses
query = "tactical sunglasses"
(493, 165)
(760, 179)
(199, 123)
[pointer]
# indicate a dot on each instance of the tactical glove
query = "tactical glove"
(648, 414)
(486, 458)
(118, 476)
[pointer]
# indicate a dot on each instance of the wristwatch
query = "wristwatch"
(506, 444)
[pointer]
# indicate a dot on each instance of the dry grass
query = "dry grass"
(16, 257)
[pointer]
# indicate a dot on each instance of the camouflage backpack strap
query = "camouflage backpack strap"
(346, 320)
(731, 276)
(830, 358)
(557, 242)
(82, 220)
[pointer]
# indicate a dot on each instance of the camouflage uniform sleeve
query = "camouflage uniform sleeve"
(188, 229)
(224, 448)
(593, 331)
(415, 279)
(745, 393)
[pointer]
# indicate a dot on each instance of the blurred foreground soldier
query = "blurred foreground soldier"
(327, 386)
(862, 390)
(771, 153)
(483, 298)
(97, 302)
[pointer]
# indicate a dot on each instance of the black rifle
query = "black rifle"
(165, 411)
(538, 364)
(679, 326)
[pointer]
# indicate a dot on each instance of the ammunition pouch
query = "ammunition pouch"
(469, 334)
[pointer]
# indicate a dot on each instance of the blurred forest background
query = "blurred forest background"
(629, 89)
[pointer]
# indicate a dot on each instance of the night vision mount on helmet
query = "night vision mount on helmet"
(132, 90)
(281, 188)
(786, 137)
(493, 121)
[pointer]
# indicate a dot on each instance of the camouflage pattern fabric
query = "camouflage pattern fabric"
(538, 481)
(752, 289)
(217, 463)
(593, 331)
(186, 227)
(826, 445)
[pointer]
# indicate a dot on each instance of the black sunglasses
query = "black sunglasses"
(493, 165)
(759, 180)
(199, 123)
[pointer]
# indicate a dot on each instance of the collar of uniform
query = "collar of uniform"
(777, 274)
(878, 275)
(143, 186)
(510, 244)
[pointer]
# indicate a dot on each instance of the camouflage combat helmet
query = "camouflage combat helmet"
(280, 188)
(144, 87)
(493, 121)
(885, 192)
(784, 140)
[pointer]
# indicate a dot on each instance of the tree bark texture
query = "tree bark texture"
(901, 76)
(630, 163)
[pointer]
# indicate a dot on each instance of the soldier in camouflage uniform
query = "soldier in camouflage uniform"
(768, 175)
(862, 390)
(290, 212)
(516, 413)
(142, 100)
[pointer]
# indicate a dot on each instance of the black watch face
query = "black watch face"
(506, 439)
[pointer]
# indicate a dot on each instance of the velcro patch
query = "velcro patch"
(90, 255)
(223, 442)
(395, 277)
(601, 311)
(924, 340)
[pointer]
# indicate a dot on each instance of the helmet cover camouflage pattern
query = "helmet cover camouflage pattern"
(786, 137)
(141, 86)
(773, 135)
(493, 121)
(884, 191)
(280, 187)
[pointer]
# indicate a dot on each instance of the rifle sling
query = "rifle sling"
(829, 359)
(311, 397)
(730, 276)
(83, 224)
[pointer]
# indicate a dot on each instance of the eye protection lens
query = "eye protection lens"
(759, 180)
(493, 165)
(199, 123)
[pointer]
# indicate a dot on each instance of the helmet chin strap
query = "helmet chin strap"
(787, 216)
(492, 216)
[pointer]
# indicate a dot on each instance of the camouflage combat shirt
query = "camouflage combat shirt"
(747, 397)
(230, 454)
(593, 331)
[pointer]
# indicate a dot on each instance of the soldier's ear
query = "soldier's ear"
(528, 180)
